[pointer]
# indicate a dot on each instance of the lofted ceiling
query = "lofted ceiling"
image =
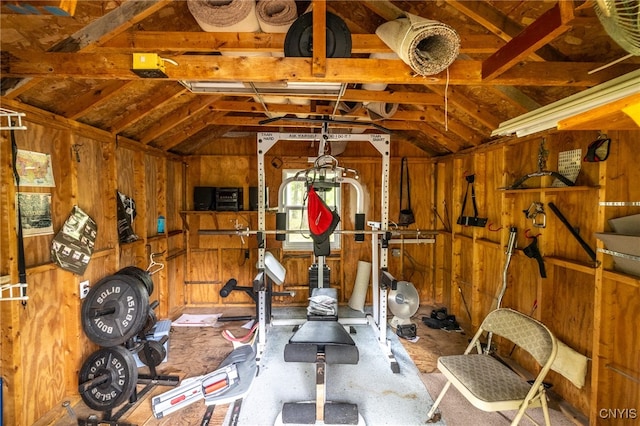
(515, 56)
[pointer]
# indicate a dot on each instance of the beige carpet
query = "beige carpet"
(457, 411)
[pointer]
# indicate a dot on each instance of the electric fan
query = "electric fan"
(621, 20)
(404, 302)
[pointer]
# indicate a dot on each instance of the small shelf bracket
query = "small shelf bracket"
(620, 203)
(618, 254)
(13, 292)
(13, 120)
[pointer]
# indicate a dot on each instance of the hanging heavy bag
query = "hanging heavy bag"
(322, 222)
(406, 215)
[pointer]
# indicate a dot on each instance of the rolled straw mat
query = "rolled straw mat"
(427, 46)
(276, 16)
(225, 16)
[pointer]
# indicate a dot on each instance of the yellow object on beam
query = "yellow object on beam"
(148, 65)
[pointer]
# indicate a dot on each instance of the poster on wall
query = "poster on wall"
(73, 245)
(34, 169)
(35, 213)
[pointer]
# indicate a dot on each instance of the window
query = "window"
(295, 206)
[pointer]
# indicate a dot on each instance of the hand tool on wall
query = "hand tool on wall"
(575, 233)
(536, 213)
(533, 252)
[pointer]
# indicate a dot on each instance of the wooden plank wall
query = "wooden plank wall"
(588, 308)
(43, 344)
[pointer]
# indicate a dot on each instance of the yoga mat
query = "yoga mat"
(381, 110)
(378, 87)
(276, 16)
(427, 46)
(349, 107)
(383, 398)
(300, 101)
(359, 294)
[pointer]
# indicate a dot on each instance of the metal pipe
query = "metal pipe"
(510, 247)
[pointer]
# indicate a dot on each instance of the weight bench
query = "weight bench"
(321, 340)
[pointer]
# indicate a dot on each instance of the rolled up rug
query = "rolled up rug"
(276, 16)
(427, 46)
(381, 110)
(227, 16)
(348, 107)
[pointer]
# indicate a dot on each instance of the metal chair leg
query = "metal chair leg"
(437, 402)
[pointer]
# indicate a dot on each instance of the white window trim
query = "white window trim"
(308, 243)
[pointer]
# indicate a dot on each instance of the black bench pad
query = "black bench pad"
(335, 413)
(329, 337)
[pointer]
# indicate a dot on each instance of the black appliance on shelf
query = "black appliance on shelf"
(229, 199)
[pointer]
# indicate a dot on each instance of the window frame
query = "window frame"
(302, 242)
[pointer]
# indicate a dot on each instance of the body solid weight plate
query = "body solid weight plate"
(108, 378)
(156, 354)
(299, 39)
(140, 274)
(115, 309)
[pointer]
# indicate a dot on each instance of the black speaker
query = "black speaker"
(204, 198)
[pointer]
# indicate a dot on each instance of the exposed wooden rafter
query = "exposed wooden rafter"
(547, 27)
(271, 69)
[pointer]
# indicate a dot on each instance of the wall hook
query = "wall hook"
(531, 237)
(492, 229)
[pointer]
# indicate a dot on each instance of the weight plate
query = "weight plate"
(157, 353)
(140, 274)
(115, 310)
(119, 367)
(152, 320)
(299, 39)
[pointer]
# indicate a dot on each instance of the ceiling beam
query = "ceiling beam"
(319, 47)
(185, 130)
(542, 31)
(94, 98)
(273, 69)
(120, 19)
(177, 117)
(499, 24)
(157, 99)
(206, 42)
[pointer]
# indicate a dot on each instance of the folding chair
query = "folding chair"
(490, 385)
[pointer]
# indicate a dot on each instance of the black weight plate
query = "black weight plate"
(115, 310)
(152, 320)
(299, 39)
(157, 353)
(140, 274)
(118, 364)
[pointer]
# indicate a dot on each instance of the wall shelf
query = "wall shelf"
(621, 277)
(571, 264)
